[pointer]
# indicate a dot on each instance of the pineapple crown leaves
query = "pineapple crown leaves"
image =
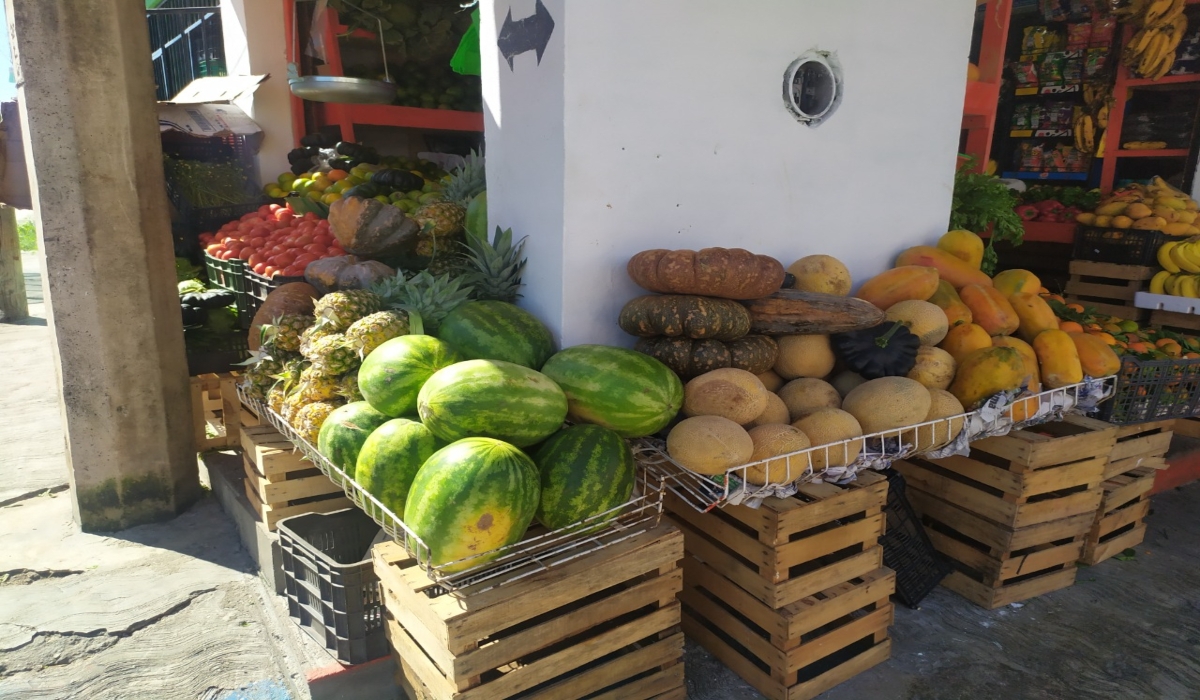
(498, 266)
(426, 299)
(467, 180)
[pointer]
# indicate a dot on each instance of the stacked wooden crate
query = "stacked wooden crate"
(603, 626)
(217, 413)
(280, 482)
(1140, 451)
(1014, 515)
(1109, 288)
(793, 595)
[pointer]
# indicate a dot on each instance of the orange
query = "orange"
(1192, 355)
(1165, 341)
(1069, 327)
(1075, 307)
(1044, 291)
(336, 175)
(1055, 297)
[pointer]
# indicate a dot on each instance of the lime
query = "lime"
(430, 198)
(302, 186)
(354, 180)
(285, 180)
(331, 197)
(414, 194)
(383, 198)
(313, 195)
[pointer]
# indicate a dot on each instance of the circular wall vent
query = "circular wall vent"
(812, 87)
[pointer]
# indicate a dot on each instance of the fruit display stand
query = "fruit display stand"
(605, 621)
(280, 482)
(1013, 516)
(1109, 288)
(792, 595)
(217, 409)
(1169, 311)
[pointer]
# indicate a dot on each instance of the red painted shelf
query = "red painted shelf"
(1153, 153)
(412, 117)
(1165, 80)
(1048, 232)
(981, 98)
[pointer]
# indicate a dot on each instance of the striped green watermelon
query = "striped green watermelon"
(622, 390)
(390, 458)
(586, 470)
(497, 330)
(470, 498)
(391, 376)
(490, 398)
(344, 432)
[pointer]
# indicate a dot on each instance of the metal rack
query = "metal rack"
(538, 551)
(781, 473)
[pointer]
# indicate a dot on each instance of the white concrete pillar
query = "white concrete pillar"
(661, 124)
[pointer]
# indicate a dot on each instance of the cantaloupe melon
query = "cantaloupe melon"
(804, 356)
(942, 404)
(824, 274)
(806, 395)
(887, 403)
(775, 412)
(771, 380)
(730, 393)
(926, 321)
(709, 444)
(772, 440)
(934, 369)
(845, 381)
(829, 426)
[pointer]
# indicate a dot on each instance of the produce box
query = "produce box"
(231, 276)
(257, 287)
(1175, 320)
(1120, 521)
(1121, 246)
(792, 595)
(1109, 288)
(216, 408)
(1141, 445)
(1154, 390)
(607, 621)
(280, 482)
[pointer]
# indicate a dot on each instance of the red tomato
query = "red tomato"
(309, 216)
(304, 259)
(294, 271)
(303, 240)
(323, 238)
(268, 271)
(224, 255)
(213, 249)
(274, 207)
(316, 249)
(260, 268)
(255, 259)
(265, 210)
(284, 259)
(245, 253)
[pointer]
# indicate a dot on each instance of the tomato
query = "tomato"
(224, 255)
(284, 259)
(268, 271)
(294, 271)
(304, 259)
(260, 268)
(316, 249)
(245, 253)
(303, 240)
(255, 258)
(265, 210)
(309, 216)
(213, 249)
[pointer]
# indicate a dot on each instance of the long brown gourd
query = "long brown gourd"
(792, 312)
(727, 273)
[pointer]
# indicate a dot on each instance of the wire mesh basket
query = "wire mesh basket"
(839, 462)
(540, 549)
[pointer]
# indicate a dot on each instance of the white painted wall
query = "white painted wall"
(255, 45)
(672, 133)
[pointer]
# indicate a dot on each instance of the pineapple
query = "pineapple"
(426, 298)
(275, 398)
(440, 219)
(310, 417)
(369, 332)
(315, 386)
(284, 332)
(348, 388)
(340, 309)
(260, 377)
(450, 260)
(311, 335)
(333, 356)
(497, 266)
(467, 181)
(291, 405)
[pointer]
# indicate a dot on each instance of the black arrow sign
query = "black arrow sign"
(529, 34)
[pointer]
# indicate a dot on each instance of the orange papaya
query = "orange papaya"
(952, 269)
(1011, 282)
(1096, 357)
(1027, 355)
(1034, 314)
(964, 339)
(964, 245)
(988, 371)
(1058, 358)
(899, 284)
(990, 309)
(946, 298)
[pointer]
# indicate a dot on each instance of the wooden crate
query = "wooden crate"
(1140, 445)
(1120, 521)
(604, 626)
(1109, 288)
(280, 482)
(1187, 427)
(800, 650)
(216, 407)
(1187, 323)
(789, 549)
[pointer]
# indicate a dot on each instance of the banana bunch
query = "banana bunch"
(1086, 133)
(1144, 145)
(1151, 51)
(1180, 275)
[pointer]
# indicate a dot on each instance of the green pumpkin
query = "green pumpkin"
(676, 315)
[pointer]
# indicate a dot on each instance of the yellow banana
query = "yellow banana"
(1152, 55)
(1187, 287)
(1183, 261)
(1175, 10)
(1162, 184)
(1165, 259)
(1155, 11)
(1158, 281)
(1171, 285)
(1178, 29)
(1191, 253)
(1100, 141)
(1102, 116)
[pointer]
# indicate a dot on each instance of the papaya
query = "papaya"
(964, 339)
(1058, 358)
(954, 270)
(964, 245)
(946, 297)
(1096, 357)
(1011, 282)
(988, 371)
(990, 309)
(1034, 313)
(1027, 354)
(899, 284)
(1024, 409)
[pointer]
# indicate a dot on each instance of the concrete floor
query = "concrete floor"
(174, 611)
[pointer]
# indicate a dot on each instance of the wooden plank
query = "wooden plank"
(1095, 553)
(803, 586)
(1089, 268)
(1149, 445)
(865, 532)
(842, 673)
(667, 652)
(739, 664)
(1125, 431)
(1187, 427)
(995, 477)
(295, 489)
(1089, 471)
(1056, 509)
(992, 598)
(997, 536)
(970, 498)
(1123, 517)
(761, 647)
(271, 515)
(799, 516)
(1040, 560)
(834, 641)
(1174, 319)
(664, 684)
(970, 557)
(714, 525)
(1121, 292)
(1127, 465)
(1117, 495)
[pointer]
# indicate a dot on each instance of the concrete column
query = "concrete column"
(87, 102)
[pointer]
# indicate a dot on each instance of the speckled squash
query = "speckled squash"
(674, 315)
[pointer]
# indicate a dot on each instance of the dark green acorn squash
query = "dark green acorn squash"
(886, 350)
(675, 315)
(754, 353)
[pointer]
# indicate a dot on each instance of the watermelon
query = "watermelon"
(622, 390)
(497, 330)
(477, 216)
(490, 398)
(471, 497)
(344, 432)
(390, 458)
(391, 376)
(585, 470)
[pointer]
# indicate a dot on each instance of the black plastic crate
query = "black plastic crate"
(906, 547)
(330, 583)
(259, 286)
(216, 355)
(1153, 390)
(231, 148)
(230, 275)
(1122, 246)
